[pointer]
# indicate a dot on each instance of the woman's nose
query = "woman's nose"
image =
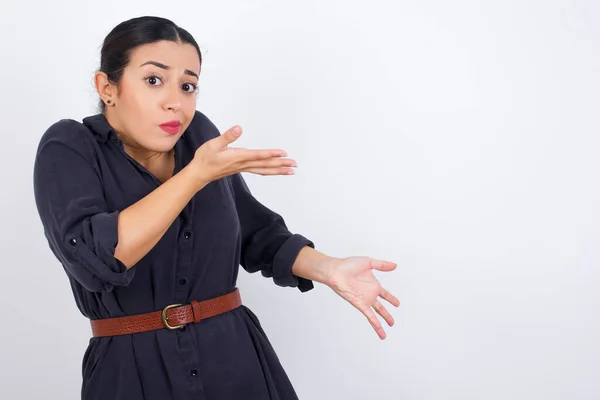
(172, 100)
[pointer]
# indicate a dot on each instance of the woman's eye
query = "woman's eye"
(153, 80)
(189, 87)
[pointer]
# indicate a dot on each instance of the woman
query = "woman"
(145, 207)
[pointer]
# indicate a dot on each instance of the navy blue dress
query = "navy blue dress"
(82, 179)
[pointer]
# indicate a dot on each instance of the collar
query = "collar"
(100, 128)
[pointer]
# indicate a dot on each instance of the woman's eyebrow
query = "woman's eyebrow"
(163, 66)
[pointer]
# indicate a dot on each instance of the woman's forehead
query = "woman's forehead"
(175, 55)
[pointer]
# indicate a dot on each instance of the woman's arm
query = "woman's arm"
(314, 265)
(138, 232)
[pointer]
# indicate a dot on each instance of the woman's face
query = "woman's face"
(158, 87)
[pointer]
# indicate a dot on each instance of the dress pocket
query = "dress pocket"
(93, 356)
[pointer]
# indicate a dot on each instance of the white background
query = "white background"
(458, 139)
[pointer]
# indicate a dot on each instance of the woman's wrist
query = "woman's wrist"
(314, 265)
(192, 178)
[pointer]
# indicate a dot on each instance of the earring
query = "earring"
(108, 101)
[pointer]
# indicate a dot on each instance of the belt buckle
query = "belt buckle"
(165, 319)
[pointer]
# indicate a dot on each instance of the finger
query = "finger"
(390, 298)
(229, 136)
(270, 171)
(383, 265)
(245, 155)
(381, 310)
(270, 163)
(374, 322)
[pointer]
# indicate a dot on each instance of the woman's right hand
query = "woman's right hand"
(215, 159)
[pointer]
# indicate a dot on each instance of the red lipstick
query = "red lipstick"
(171, 127)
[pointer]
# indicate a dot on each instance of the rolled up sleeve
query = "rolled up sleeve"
(267, 244)
(81, 229)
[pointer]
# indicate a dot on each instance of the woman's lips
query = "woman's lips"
(171, 127)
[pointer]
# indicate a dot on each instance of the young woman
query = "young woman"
(145, 207)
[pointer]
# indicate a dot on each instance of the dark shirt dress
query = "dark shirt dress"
(82, 179)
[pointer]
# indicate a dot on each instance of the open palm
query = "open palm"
(353, 279)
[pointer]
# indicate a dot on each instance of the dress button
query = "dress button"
(194, 372)
(182, 281)
(73, 242)
(187, 235)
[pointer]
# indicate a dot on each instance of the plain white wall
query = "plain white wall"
(458, 139)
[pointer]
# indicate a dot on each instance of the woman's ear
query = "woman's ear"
(106, 90)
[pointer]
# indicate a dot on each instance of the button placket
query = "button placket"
(184, 263)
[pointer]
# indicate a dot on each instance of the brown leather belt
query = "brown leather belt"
(171, 317)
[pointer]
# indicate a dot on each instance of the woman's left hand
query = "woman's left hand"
(352, 278)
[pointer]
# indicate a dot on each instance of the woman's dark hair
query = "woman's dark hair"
(128, 35)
